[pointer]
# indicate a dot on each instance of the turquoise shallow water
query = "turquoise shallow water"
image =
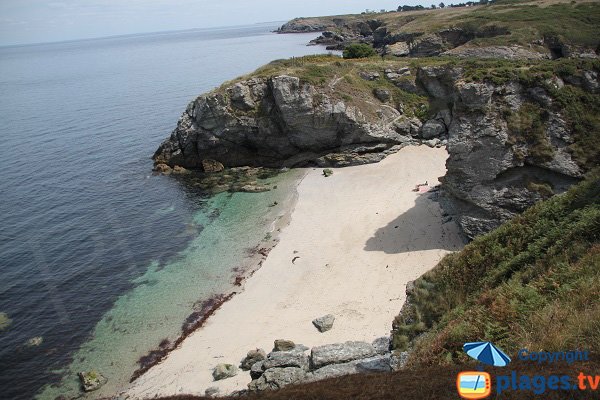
(233, 224)
(98, 258)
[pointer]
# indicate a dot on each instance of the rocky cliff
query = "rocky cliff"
(512, 138)
(510, 30)
(281, 121)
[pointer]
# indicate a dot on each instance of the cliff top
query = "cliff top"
(524, 23)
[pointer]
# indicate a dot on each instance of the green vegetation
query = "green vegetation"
(341, 80)
(327, 172)
(359, 50)
(532, 283)
(527, 126)
(503, 23)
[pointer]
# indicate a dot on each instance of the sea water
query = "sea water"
(99, 259)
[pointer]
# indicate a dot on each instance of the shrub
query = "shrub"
(327, 172)
(360, 50)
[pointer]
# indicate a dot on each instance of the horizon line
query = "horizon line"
(124, 35)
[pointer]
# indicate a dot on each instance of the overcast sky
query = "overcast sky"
(34, 21)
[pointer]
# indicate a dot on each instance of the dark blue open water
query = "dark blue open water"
(91, 245)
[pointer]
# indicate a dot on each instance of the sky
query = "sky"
(36, 21)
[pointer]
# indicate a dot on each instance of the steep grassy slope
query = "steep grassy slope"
(532, 283)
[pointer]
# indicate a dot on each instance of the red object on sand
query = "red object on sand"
(423, 188)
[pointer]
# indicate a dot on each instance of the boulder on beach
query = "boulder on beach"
(276, 378)
(324, 323)
(212, 391)
(340, 353)
(382, 345)
(224, 371)
(283, 345)
(257, 370)
(281, 359)
(91, 380)
(252, 358)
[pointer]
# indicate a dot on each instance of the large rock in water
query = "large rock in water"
(340, 353)
(274, 122)
(91, 380)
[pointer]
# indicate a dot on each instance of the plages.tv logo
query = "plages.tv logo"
(475, 385)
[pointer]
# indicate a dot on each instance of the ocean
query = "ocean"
(100, 259)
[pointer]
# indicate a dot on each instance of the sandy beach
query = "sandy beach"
(359, 236)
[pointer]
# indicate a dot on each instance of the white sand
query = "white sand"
(361, 235)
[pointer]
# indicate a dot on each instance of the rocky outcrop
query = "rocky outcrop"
(91, 380)
(282, 368)
(509, 144)
(276, 122)
(493, 170)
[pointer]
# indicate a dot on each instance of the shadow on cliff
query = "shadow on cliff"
(419, 228)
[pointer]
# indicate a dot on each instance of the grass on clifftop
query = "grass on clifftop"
(339, 79)
(515, 22)
(532, 283)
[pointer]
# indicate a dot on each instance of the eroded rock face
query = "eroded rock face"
(275, 122)
(493, 171)
(490, 169)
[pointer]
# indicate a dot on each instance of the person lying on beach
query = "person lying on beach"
(418, 185)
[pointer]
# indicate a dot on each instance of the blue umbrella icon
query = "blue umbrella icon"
(486, 353)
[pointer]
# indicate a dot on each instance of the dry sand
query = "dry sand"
(360, 236)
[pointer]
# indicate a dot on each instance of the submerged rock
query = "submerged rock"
(91, 380)
(34, 341)
(324, 323)
(5, 321)
(224, 371)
